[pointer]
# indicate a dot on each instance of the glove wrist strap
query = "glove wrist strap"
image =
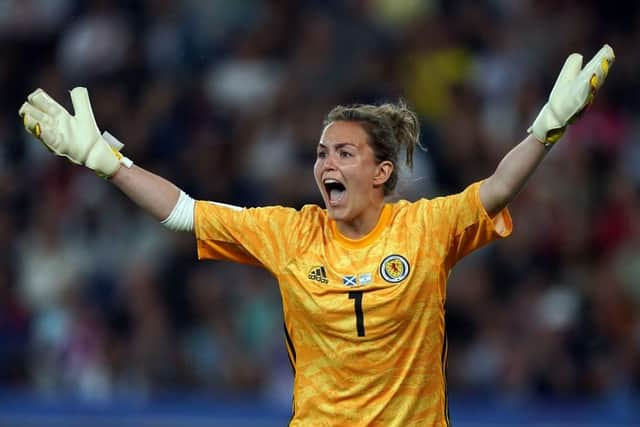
(116, 146)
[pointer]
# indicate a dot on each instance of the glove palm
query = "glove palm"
(573, 91)
(76, 137)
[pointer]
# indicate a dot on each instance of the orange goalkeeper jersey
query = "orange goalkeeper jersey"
(364, 319)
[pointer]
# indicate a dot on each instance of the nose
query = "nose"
(329, 162)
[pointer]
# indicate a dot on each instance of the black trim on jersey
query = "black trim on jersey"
(445, 350)
(291, 352)
(290, 344)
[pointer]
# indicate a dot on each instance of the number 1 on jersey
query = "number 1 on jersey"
(357, 297)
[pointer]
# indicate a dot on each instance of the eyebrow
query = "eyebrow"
(338, 145)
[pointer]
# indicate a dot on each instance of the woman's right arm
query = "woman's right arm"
(151, 192)
(77, 138)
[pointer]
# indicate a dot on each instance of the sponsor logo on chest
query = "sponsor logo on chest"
(318, 274)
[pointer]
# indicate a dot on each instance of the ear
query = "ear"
(383, 173)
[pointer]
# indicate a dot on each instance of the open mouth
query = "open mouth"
(335, 190)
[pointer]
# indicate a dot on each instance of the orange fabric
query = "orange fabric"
(365, 327)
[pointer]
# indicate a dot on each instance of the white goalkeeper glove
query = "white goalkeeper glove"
(573, 91)
(75, 137)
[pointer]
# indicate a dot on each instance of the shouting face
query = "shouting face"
(346, 172)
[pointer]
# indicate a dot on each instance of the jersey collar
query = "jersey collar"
(364, 241)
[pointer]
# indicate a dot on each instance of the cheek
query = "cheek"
(317, 167)
(361, 176)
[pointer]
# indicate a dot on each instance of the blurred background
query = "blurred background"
(106, 318)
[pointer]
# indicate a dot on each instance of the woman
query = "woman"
(363, 282)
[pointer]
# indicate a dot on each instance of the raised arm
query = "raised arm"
(151, 192)
(78, 139)
(573, 91)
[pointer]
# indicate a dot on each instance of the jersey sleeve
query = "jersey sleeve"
(463, 225)
(257, 236)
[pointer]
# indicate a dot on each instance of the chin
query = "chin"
(337, 214)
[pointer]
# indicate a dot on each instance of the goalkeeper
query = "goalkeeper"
(363, 281)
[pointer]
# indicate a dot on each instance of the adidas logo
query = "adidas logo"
(318, 274)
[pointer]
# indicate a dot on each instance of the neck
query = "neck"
(363, 224)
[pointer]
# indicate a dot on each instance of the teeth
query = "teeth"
(331, 181)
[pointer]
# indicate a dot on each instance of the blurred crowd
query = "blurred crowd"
(226, 99)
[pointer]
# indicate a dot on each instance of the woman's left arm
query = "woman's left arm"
(511, 175)
(573, 91)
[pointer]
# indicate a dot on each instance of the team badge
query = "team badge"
(394, 268)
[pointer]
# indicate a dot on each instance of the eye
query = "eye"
(345, 154)
(321, 154)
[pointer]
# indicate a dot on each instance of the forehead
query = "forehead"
(343, 132)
